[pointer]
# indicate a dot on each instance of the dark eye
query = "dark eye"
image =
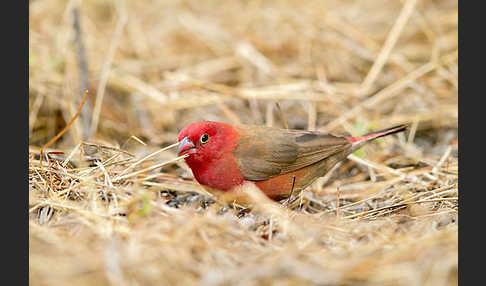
(204, 138)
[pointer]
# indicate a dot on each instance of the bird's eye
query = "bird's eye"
(204, 138)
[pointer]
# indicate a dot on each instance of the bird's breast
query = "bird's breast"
(222, 174)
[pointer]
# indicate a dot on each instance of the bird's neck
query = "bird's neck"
(222, 174)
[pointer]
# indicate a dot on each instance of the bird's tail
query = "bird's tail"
(377, 134)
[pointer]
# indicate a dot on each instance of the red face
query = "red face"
(206, 141)
(209, 146)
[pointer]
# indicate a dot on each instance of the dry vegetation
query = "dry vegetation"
(100, 215)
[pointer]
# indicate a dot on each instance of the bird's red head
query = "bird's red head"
(206, 141)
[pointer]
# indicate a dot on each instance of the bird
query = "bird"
(279, 162)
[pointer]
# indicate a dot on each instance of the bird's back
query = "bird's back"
(265, 152)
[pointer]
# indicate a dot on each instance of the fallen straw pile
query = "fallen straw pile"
(120, 208)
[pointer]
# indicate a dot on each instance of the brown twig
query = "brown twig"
(45, 146)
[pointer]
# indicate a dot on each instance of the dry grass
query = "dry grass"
(104, 212)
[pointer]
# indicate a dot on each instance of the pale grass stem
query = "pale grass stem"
(150, 168)
(149, 156)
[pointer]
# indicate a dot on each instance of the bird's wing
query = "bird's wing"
(265, 152)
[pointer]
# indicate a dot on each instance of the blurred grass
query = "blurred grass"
(159, 65)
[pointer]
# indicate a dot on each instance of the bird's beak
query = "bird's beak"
(186, 147)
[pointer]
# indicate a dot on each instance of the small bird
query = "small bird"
(279, 162)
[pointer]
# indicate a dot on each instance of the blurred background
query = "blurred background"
(152, 67)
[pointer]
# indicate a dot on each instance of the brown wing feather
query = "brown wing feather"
(265, 152)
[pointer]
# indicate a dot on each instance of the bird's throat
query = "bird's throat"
(222, 174)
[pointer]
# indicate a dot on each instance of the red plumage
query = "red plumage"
(223, 157)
